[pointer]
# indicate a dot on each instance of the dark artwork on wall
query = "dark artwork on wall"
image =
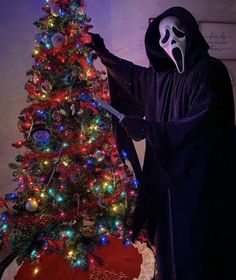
(221, 37)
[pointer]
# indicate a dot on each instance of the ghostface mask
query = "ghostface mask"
(173, 40)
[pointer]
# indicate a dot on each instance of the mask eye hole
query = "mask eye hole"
(166, 37)
(178, 33)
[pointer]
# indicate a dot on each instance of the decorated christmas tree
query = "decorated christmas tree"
(73, 191)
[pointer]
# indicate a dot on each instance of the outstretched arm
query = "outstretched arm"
(134, 79)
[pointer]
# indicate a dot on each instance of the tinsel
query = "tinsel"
(72, 189)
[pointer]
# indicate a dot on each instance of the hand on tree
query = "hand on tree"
(135, 127)
(97, 42)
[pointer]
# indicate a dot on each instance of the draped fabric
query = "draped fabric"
(187, 193)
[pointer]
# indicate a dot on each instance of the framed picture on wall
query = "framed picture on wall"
(221, 37)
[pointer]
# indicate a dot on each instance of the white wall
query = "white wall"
(122, 23)
(17, 34)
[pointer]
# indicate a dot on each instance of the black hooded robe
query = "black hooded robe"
(185, 196)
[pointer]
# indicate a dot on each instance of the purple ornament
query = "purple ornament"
(58, 40)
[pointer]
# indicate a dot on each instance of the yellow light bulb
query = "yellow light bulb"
(36, 271)
(42, 194)
(36, 51)
(115, 208)
(70, 254)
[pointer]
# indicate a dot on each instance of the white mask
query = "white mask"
(173, 41)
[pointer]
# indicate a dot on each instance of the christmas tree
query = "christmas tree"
(73, 190)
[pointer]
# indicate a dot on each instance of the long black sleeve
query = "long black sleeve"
(135, 80)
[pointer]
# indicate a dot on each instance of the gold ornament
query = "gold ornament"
(31, 205)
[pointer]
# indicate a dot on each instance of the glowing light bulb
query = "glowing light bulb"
(62, 215)
(132, 193)
(65, 163)
(42, 195)
(123, 194)
(36, 271)
(115, 208)
(110, 188)
(70, 254)
(59, 198)
(117, 223)
(48, 150)
(33, 254)
(51, 192)
(69, 233)
(4, 227)
(36, 51)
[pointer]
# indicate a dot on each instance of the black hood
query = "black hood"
(196, 46)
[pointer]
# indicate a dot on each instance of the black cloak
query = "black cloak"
(186, 198)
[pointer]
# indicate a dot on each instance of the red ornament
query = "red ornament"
(26, 124)
(83, 62)
(86, 39)
(18, 144)
(73, 58)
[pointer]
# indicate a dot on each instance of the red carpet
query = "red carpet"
(120, 263)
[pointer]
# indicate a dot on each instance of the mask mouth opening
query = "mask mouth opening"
(178, 59)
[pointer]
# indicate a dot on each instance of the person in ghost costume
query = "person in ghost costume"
(186, 197)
